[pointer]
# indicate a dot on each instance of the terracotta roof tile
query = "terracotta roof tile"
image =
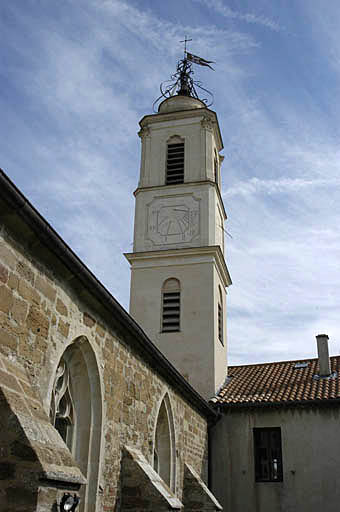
(280, 382)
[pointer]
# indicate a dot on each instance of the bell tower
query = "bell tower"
(178, 272)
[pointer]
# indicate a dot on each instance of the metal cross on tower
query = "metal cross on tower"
(185, 41)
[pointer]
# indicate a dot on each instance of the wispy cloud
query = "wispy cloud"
(227, 12)
(78, 79)
(277, 186)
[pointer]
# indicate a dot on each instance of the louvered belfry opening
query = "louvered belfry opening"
(175, 164)
(171, 306)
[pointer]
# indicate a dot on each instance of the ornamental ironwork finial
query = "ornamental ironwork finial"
(182, 82)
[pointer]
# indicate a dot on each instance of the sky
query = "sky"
(76, 78)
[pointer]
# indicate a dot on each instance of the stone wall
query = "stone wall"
(44, 310)
(36, 468)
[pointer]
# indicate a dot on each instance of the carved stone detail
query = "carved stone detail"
(144, 132)
(61, 403)
(207, 123)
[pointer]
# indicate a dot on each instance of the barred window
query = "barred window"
(171, 306)
(268, 454)
(175, 164)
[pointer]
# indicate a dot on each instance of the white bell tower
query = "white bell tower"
(178, 271)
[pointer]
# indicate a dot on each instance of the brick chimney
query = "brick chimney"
(323, 355)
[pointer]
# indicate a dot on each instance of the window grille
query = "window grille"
(175, 164)
(268, 454)
(171, 311)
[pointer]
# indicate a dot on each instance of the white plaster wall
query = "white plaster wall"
(311, 461)
(201, 197)
(195, 351)
(200, 143)
(192, 350)
(220, 351)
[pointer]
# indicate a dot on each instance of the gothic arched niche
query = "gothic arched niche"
(164, 445)
(76, 412)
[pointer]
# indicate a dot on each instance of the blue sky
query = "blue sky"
(76, 77)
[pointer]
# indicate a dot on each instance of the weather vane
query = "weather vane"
(182, 82)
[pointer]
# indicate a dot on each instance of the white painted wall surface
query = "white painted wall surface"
(195, 351)
(179, 233)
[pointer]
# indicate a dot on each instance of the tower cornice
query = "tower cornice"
(183, 186)
(208, 117)
(188, 255)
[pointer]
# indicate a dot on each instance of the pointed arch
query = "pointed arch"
(164, 453)
(76, 412)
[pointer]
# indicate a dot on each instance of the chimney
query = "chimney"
(323, 354)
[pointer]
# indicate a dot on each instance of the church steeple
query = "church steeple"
(178, 272)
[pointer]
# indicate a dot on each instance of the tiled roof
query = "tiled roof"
(280, 383)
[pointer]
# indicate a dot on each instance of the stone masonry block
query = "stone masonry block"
(3, 274)
(88, 320)
(8, 340)
(63, 328)
(43, 286)
(6, 299)
(61, 308)
(38, 322)
(27, 292)
(19, 310)
(7, 256)
(142, 487)
(13, 281)
(25, 271)
(196, 495)
(9, 381)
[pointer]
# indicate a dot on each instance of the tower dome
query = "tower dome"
(179, 102)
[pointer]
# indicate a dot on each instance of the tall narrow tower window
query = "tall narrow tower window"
(220, 317)
(215, 169)
(175, 164)
(171, 306)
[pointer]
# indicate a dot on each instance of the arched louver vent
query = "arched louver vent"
(175, 164)
(171, 306)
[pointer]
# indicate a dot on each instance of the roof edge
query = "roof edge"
(322, 402)
(21, 207)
